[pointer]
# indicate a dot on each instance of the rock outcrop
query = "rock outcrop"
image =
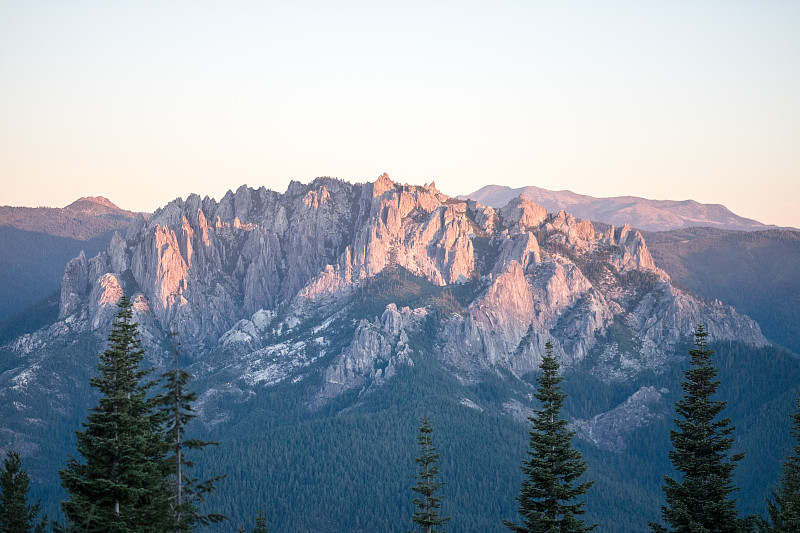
(612, 430)
(249, 274)
(378, 347)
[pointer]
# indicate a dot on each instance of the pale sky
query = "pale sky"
(144, 101)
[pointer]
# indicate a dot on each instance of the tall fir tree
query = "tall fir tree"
(784, 506)
(16, 515)
(550, 497)
(120, 486)
(261, 523)
(428, 503)
(701, 499)
(176, 411)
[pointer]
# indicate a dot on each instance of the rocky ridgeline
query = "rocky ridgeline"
(254, 282)
(201, 266)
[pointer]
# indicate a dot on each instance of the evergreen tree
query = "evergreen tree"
(121, 484)
(176, 411)
(701, 501)
(261, 523)
(16, 516)
(549, 497)
(784, 507)
(427, 515)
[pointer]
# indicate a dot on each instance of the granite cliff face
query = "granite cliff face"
(266, 287)
(202, 266)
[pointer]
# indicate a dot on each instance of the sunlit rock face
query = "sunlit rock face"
(215, 271)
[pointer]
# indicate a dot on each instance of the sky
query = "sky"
(143, 102)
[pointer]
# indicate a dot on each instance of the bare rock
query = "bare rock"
(373, 355)
(74, 285)
(520, 215)
(612, 430)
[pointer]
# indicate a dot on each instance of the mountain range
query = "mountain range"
(641, 213)
(322, 322)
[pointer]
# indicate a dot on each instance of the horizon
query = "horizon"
(283, 191)
(143, 104)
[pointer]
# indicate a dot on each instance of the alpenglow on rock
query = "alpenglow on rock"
(266, 287)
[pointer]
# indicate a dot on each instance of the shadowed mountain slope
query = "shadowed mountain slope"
(758, 273)
(37, 242)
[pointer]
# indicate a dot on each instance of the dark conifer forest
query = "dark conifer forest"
(354, 469)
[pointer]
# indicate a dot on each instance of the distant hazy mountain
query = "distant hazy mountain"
(37, 242)
(648, 215)
(82, 220)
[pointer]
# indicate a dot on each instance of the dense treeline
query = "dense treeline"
(371, 446)
(351, 465)
(355, 470)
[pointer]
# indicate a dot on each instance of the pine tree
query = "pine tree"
(16, 516)
(261, 523)
(176, 411)
(121, 485)
(701, 501)
(784, 507)
(428, 504)
(549, 497)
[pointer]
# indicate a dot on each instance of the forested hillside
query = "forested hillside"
(756, 272)
(352, 469)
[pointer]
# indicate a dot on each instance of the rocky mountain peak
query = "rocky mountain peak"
(205, 267)
(382, 185)
(522, 215)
